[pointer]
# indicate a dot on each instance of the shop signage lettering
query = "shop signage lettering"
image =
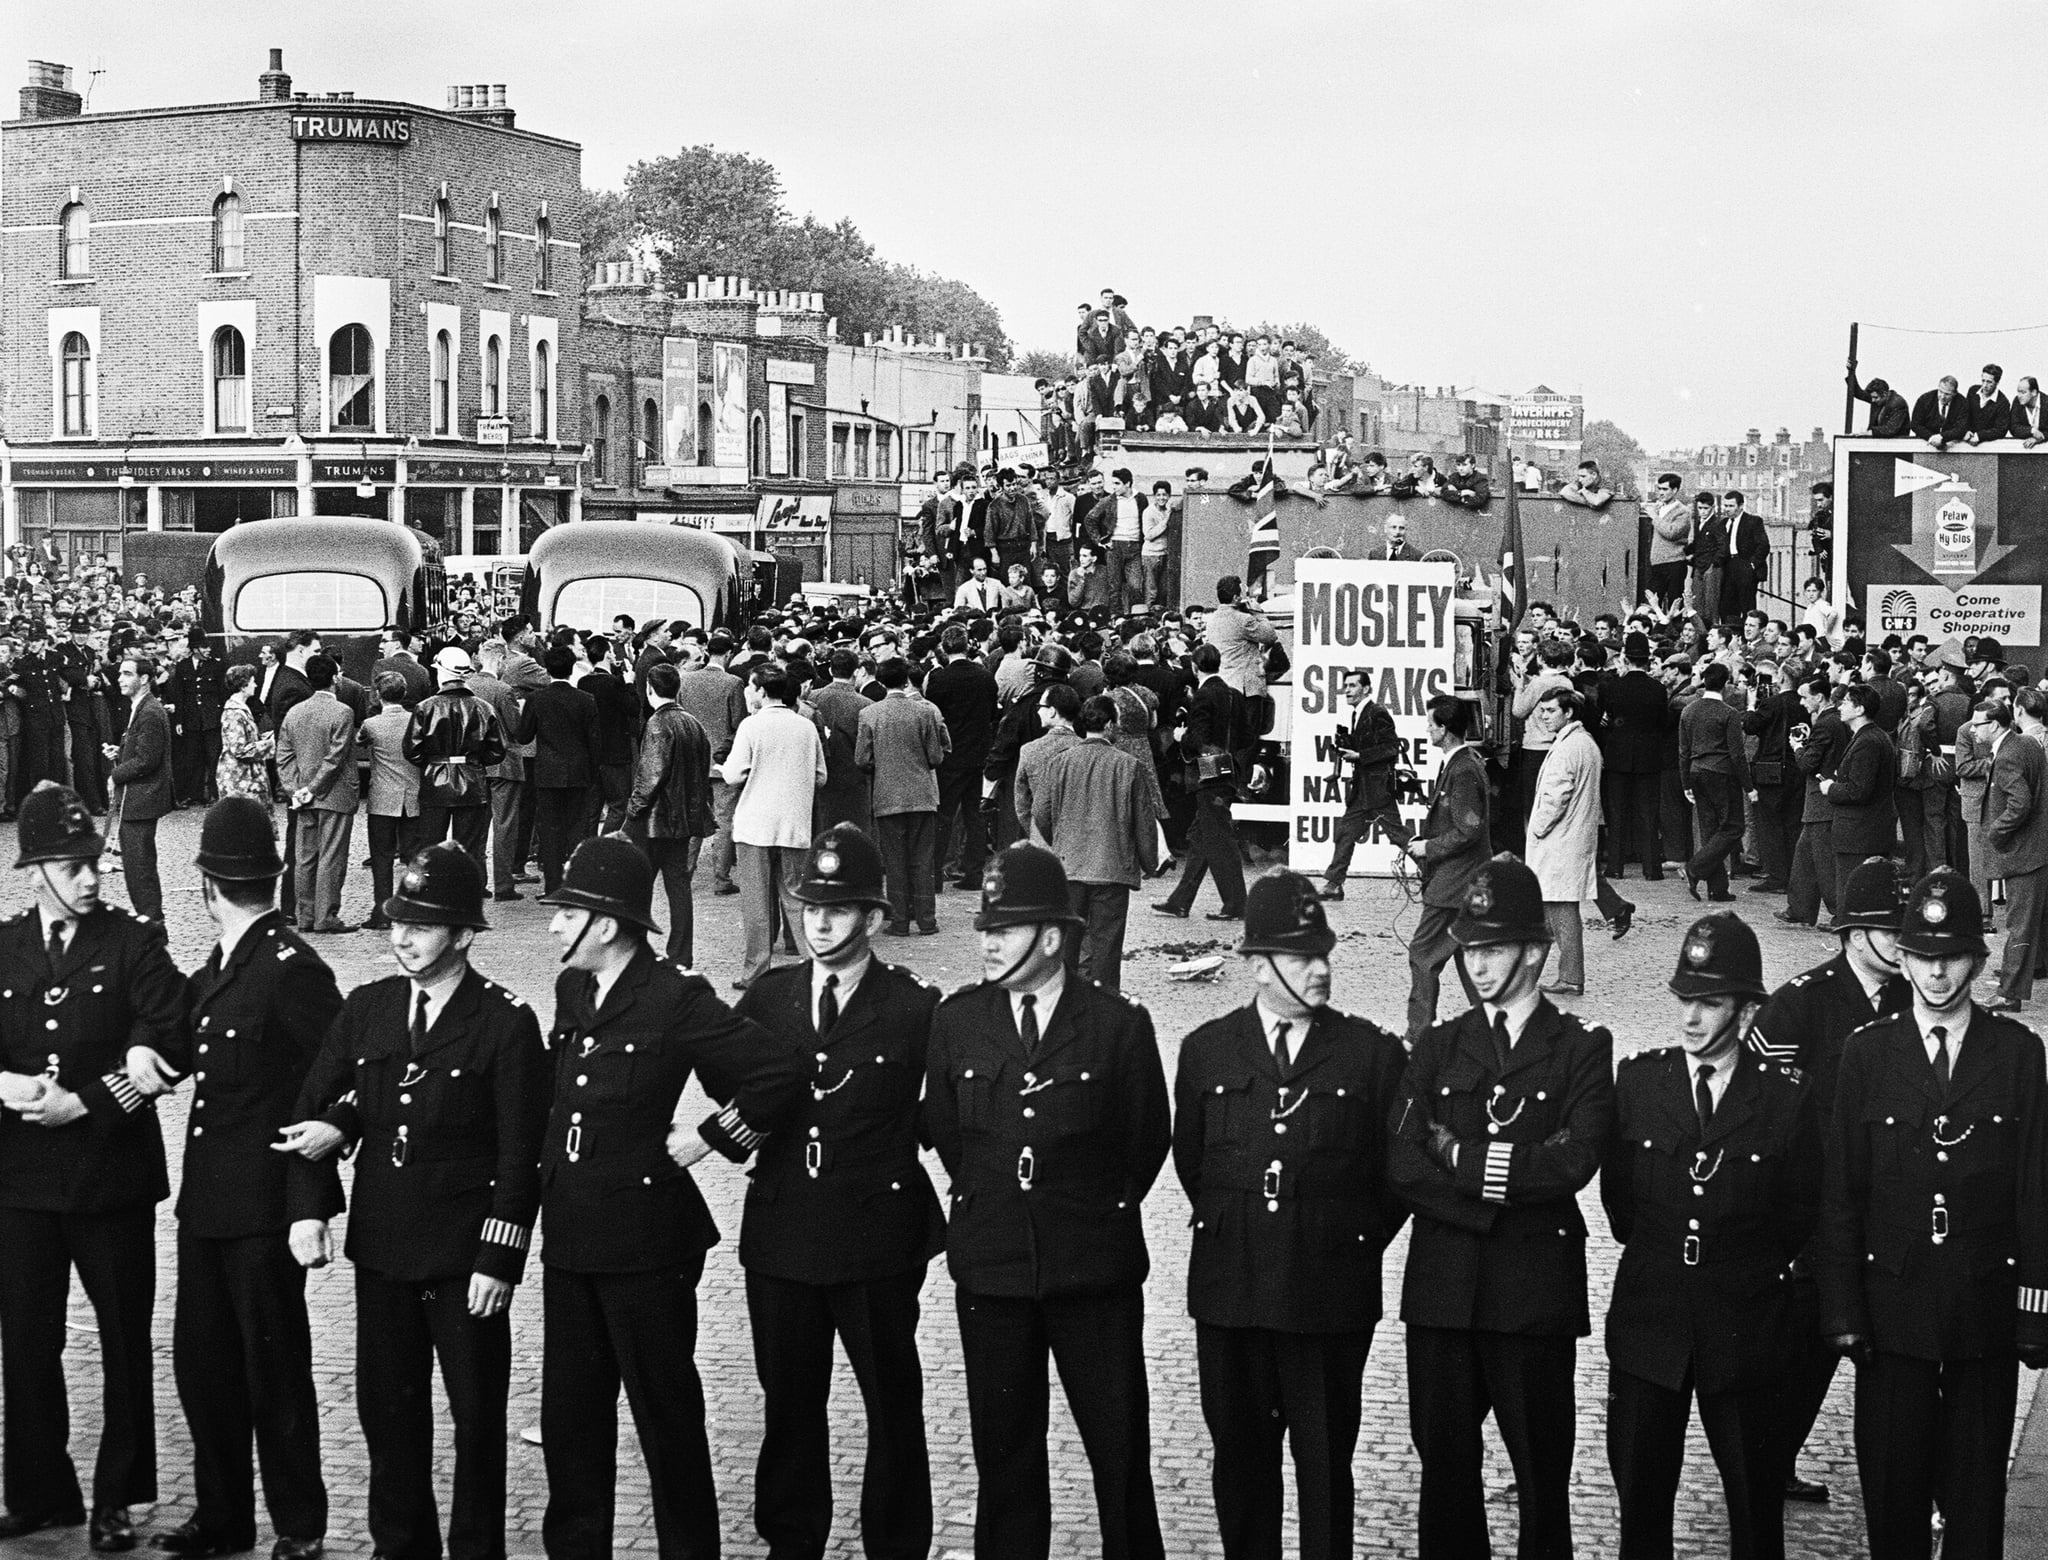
(384, 129)
(492, 472)
(177, 473)
(355, 470)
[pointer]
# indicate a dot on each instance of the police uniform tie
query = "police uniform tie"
(56, 945)
(1703, 1096)
(1503, 1052)
(1940, 1058)
(419, 1024)
(1027, 1026)
(1281, 1053)
(828, 1006)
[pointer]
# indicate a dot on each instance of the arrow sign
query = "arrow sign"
(1954, 523)
(1910, 477)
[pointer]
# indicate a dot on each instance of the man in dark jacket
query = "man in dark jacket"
(1712, 1187)
(841, 1218)
(1707, 556)
(1987, 409)
(670, 807)
(454, 739)
(439, 1076)
(1503, 1117)
(1046, 1102)
(1818, 745)
(1942, 416)
(1212, 745)
(1889, 418)
(965, 695)
(1284, 1314)
(1779, 790)
(1865, 823)
(143, 787)
(1370, 804)
(241, 1344)
(618, 719)
(1713, 758)
(561, 721)
(1635, 713)
(1454, 842)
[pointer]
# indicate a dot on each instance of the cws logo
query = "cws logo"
(1899, 612)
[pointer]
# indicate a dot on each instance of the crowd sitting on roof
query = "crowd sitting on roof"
(1947, 416)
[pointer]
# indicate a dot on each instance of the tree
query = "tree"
(1313, 343)
(607, 230)
(1041, 364)
(1618, 454)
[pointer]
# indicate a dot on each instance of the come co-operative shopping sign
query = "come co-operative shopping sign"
(1397, 623)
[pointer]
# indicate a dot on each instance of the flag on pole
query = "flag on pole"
(1512, 573)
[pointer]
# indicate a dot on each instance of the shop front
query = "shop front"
(67, 511)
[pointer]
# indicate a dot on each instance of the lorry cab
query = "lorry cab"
(347, 579)
(586, 574)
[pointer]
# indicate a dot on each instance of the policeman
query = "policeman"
(841, 1218)
(627, 1228)
(81, 1170)
(1804, 1024)
(1280, 1141)
(439, 1075)
(1046, 1101)
(1504, 1114)
(42, 713)
(1933, 1245)
(84, 681)
(241, 1345)
(1712, 1188)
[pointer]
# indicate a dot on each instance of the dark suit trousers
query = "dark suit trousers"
(401, 1329)
(1429, 950)
(558, 822)
(1807, 1377)
(1258, 1386)
(188, 768)
(115, 1254)
(1212, 848)
(1095, 949)
(876, 1323)
(1357, 825)
(1667, 583)
(671, 858)
(469, 827)
(1773, 833)
(2026, 902)
(88, 763)
(138, 866)
(322, 845)
(242, 1351)
(1634, 828)
(1717, 821)
(1923, 826)
(1098, 1342)
(504, 827)
(1646, 1426)
(1934, 1434)
(602, 1330)
(963, 835)
(392, 840)
(1455, 1378)
(1813, 872)
(908, 866)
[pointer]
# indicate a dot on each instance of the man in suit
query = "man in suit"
(439, 1077)
(1375, 748)
(1635, 713)
(1396, 548)
(845, 797)
(1749, 559)
(718, 699)
(393, 656)
(618, 721)
(2029, 412)
(1941, 416)
(899, 743)
(1212, 745)
(1708, 556)
(964, 693)
(241, 1344)
(1504, 1114)
(281, 685)
(81, 1171)
(1817, 748)
(1865, 821)
(1779, 790)
(841, 1219)
(1712, 1187)
(561, 721)
(1455, 840)
(670, 808)
(1891, 694)
(1933, 1243)
(2014, 815)
(1988, 411)
(1712, 758)
(143, 787)
(1242, 636)
(317, 762)
(1047, 1104)
(1284, 1315)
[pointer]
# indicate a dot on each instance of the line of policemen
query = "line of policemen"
(1304, 1138)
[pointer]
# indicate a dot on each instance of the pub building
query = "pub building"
(297, 305)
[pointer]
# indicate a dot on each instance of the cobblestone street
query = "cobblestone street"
(1625, 990)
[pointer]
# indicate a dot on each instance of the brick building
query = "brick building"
(292, 305)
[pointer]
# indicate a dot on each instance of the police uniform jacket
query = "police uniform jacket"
(1709, 1222)
(258, 1018)
(446, 1181)
(1051, 1154)
(114, 987)
(1499, 1244)
(1934, 1229)
(1287, 1175)
(1806, 1021)
(838, 1194)
(615, 1201)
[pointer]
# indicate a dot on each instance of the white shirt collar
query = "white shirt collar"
(69, 923)
(1048, 996)
(437, 995)
(1954, 1030)
(1519, 1012)
(849, 982)
(231, 940)
(1718, 1080)
(1270, 1022)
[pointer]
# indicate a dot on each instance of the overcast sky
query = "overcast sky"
(1674, 210)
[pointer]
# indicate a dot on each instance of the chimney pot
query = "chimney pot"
(498, 95)
(277, 59)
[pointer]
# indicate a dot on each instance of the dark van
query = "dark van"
(584, 575)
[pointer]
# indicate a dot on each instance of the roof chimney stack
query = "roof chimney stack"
(483, 103)
(274, 86)
(48, 94)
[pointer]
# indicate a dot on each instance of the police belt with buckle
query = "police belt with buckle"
(1943, 1222)
(401, 1147)
(820, 1156)
(1278, 1179)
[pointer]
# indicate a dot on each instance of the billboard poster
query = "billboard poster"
(1396, 622)
(1946, 543)
(729, 405)
(678, 401)
(778, 430)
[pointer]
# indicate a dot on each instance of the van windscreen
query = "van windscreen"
(593, 603)
(280, 603)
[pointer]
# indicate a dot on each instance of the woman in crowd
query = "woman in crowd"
(245, 748)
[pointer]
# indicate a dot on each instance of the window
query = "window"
(650, 431)
(494, 377)
(494, 248)
(757, 445)
(601, 599)
(230, 381)
(863, 443)
(444, 353)
(798, 461)
(544, 264)
(74, 241)
(441, 238)
(279, 603)
(543, 383)
(840, 434)
(945, 452)
(601, 439)
(920, 455)
(78, 386)
(706, 432)
(351, 384)
(227, 233)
